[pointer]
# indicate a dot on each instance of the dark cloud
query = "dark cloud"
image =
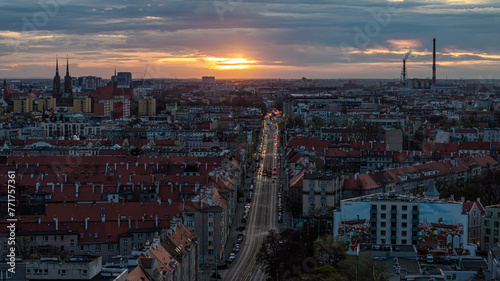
(298, 33)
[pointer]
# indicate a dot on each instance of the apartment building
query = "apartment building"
(320, 193)
(490, 229)
(387, 218)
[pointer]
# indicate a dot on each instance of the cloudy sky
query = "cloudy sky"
(250, 39)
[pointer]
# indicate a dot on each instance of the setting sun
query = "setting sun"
(228, 63)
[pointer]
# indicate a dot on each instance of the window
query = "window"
(210, 233)
(488, 231)
(98, 248)
(404, 224)
(405, 207)
(403, 241)
(103, 208)
(486, 223)
(393, 207)
(125, 242)
(210, 243)
(383, 207)
(404, 216)
(45, 238)
(382, 232)
(383, 224)
(404, 233)
(211, 224)
(111, 247)
(62, 238)
(382, 216)
(125, 251)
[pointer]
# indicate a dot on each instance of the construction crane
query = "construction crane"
(144, 75)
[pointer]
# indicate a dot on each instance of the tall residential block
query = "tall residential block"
(147, 106)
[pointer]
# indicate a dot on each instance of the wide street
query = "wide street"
(263, 215)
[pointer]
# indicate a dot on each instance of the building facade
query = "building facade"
(23, 105)
(147, 106)
(320, 193)
(82, 104)
(404, 220)
(490, 230)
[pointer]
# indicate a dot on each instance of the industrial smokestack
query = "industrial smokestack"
(403, 73)
(434, 61)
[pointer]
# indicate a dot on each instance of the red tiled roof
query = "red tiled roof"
(110, 92)
(468, 206)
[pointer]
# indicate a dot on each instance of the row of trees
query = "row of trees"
(292, 255)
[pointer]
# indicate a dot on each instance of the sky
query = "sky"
(287, 39)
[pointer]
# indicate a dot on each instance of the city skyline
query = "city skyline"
(248, 39)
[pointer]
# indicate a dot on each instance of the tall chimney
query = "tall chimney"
(403, 73)
(434, 61)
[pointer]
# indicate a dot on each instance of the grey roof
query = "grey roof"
(431, 190)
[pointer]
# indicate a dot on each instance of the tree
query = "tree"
(328, 272)
(298, 122)
(363, 268)
(280, 252)
(240, 193)
(268, 255)
(327, 250)
(317, 122)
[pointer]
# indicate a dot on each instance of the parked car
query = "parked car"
(231, 257)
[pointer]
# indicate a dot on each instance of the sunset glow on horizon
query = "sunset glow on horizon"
(186, 39)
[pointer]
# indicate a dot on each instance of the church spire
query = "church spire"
(115, 79)
(57, 66)
(67, 65)
(56, 85)
(67, 78)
